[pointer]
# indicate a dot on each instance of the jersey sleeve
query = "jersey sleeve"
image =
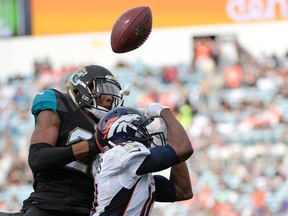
(165, 189)
(45, 100)
(131, 156)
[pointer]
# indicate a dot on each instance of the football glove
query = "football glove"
(154, 109)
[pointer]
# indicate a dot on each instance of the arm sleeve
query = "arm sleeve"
(43, 156)
(161, 157)
(165, 189)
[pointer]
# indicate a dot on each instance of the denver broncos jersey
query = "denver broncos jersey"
(118, 189)
(62, 188)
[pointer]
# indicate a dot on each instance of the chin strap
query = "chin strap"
(98, 113)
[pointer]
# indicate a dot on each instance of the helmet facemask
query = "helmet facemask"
(94, 90)
(120, 128)
(142, 135)
(145, 136)
(158, 130)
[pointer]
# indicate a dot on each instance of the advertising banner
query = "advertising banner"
(75, 16)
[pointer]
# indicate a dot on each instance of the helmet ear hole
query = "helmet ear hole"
(86, 99)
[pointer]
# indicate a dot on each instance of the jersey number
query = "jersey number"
(76, 135)
(79, 134)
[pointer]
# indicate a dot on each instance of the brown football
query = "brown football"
(131, 29)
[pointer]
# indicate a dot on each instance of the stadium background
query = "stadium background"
(221, 65)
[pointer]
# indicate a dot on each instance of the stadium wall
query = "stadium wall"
(165, 46)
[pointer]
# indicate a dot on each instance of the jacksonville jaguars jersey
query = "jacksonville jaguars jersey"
(118, 189)
(62, 188)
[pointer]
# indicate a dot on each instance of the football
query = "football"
(131, 29)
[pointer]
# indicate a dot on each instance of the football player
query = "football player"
(124, 183)
(63, 146)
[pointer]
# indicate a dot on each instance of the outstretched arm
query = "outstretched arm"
(179, 176)
(179, 140)
(178, 187)
(178, 149)
(177, 136)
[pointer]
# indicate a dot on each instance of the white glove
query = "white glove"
(154, 109)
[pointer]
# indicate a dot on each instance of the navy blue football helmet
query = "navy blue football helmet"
(125, 124)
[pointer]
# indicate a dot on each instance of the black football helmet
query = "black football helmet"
(96, 77)
(125, 124)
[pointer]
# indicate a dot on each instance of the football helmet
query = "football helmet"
(125, 124)
(88, 83)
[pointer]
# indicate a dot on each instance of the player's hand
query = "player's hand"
(154, 109)
(93, 147)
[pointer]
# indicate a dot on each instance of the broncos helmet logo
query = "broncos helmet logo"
(119, 124)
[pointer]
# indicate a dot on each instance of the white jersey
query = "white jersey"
(118, 187)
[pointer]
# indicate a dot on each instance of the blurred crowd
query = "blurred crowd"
(235, 112)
